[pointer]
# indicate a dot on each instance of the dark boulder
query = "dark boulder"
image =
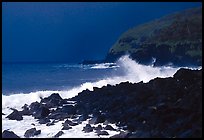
(87, 128)
(44, 120)
(32, 132)
(58, 134)
(109, 127)
(38, 110)
(121, 135)
(25, 110)
(99, 132)
(70, 123)
(34, 106)
(97, 119)
(33, 124)
(51, 123)
(58, 115)
(42, 112)
(15, 115)
(9, 134)
(99, 127)
(68, 109)
(81, 118)
(66, 127)
(54, 100)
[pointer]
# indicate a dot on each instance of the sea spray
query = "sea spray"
(132, 72)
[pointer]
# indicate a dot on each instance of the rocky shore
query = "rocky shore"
(162, 108)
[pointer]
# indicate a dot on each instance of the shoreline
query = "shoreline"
(139, 109)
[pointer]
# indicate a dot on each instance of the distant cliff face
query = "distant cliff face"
(176, 38)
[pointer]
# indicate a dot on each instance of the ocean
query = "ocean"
(33, 77)
(27, 82)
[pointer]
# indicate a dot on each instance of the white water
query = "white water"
(134, 72)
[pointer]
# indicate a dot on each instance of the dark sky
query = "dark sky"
(71, 32)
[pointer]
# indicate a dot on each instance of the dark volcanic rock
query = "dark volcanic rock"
(15, 115)
(9, 134)
(121, 135)
(163, 107)
(57, 115)
(54, 100)
(70, 123)
(109, 127)
(25, 110)
(66, 127)
(44, 120)
(99, 132)
(87, 128)
(32, 132)
(99, 127)
(38, 110)
(58, 134)
(98, 119)
(68, 109)
(82, 118)
(41, 113)
(50, 123)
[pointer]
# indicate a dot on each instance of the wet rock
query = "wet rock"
(106, 122)
(68, 109)
(58, 115)
(83, 117)
(97, 119)
(32, 132)
(9, 134)
(54, 100)
(38, 110)
(25, 110)
(44, 120)
(66, 127)
(121, 135)
(99, 127)
(42, 112)
(34, 106)
(15, 115)
(99, 132)
(109, 127)
(70, 123)
(33, 124)
(87, 128)
(58, 134)
(50, 123)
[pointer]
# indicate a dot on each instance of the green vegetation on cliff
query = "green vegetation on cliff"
(174, 38)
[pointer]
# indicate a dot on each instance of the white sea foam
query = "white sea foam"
(104, 66)
(133, 72)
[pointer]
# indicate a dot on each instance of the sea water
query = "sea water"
(28, 82)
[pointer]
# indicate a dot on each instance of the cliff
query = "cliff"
(175, 38)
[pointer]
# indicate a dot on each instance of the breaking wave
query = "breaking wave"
(132, 72)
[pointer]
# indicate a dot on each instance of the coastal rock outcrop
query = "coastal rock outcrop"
(164, 107)
(32, 132)
(9, 134)
(15, 115)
